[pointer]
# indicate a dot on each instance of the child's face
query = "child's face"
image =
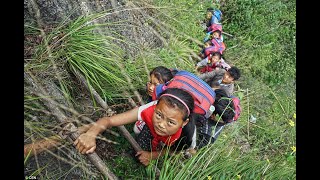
(215, 59)
(209, 15)
(152, 84)
(227, 79)
(167, 120)
(215, 35)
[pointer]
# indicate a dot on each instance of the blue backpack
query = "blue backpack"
(216, 17)
(218, 14)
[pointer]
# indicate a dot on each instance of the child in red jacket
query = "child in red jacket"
(164, 121)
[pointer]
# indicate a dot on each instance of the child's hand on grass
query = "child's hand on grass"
(144, 157)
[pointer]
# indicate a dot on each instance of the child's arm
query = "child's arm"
(86, 143)
(201, 64)
(224, 64)
(208, 75)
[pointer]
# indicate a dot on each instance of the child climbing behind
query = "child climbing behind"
(209, 129)
(215, 30)
(213, 61)
(208, 48)
(211, 46)
(159, 75)
(222, 78)
(164, 120)
(213, 16)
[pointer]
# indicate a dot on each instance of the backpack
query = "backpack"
(219, 45)
(214, 27)
(216, 17)
(201, 92)
(237, 108)
(210, 49)
(218, 14)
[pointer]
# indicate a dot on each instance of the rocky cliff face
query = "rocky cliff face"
(133, 14)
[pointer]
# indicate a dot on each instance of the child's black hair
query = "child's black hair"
(234, 72)
(210, 9)
(162, 73)
(216, 54)
(174, 72)
(181, 94)
(218, 31)
(223, 105)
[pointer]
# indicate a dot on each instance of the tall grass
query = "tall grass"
(73, 45)
(265, 38)
(264, 149)
(261, 145)
(263, 48)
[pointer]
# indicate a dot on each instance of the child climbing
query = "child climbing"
(159, 75)
(213, 61)
(213, 16)
(214, 31)
(209, 129)
(208, 48)
(222, 78)
(203, 96)
(211, 46)
(205, 102)
(162, 75)
(164, 120)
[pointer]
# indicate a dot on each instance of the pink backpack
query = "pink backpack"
(237, 108)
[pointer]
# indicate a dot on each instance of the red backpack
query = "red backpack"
(219, 46)
(201, 92)
(214, 27)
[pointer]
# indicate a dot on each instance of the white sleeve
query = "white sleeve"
(143, 107)
(203, 62)
(224, 64)
(194, 139)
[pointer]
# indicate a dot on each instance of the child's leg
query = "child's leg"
(217, 131)
(206, 135)
(203, 140)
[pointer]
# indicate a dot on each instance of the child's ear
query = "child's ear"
(185, 122)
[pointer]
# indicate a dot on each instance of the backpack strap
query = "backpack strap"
(157, 90)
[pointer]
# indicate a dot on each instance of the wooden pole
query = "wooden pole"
(93, 157)
(49, 142)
